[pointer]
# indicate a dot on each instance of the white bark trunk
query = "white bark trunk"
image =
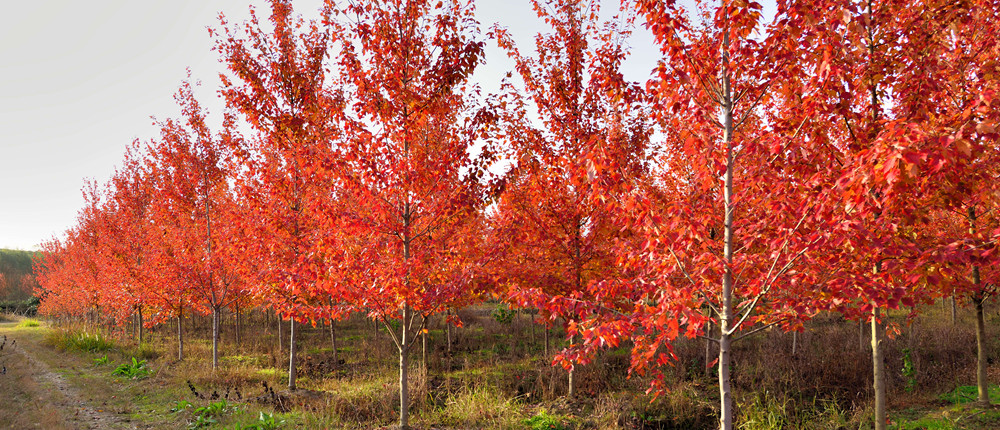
(878, 368)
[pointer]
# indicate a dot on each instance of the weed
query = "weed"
(764, 411)
(28, 322)
(264, 422)
(503, 314)
(180, 406)
(78, 341)
(968, 393)
(207, 415)
(102, 361)
(135, 370)
(543, 421)
(909, 371)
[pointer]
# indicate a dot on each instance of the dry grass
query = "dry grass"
(495, 376)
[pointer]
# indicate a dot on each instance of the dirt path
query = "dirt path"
(37, 396)
(77, 412)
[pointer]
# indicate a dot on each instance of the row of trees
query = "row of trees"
(842, 157)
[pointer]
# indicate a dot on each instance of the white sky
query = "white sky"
(79, 81)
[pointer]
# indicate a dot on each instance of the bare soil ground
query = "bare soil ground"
(37, 396)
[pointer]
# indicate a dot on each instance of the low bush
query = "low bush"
(137, 369)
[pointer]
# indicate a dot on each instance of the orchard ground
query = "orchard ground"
(495, 376)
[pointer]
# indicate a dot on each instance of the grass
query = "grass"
(969, 393)
(495, 377)
(71, 340)
(28, 322)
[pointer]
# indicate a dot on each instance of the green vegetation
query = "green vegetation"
(71, 340)
(28, 322)
(481, 385)
(544, 421)
(17, 281)
(137, 369)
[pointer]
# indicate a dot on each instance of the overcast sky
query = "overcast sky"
(79, 81)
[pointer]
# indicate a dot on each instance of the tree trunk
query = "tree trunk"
(981, 381)
(280, 340)
(708, 348)
(545, 330)
(878, 367)
(291, 354)
(140, 325)
(215, 337)
(726, 318)
(423, 346)
(404, 390)
(954, 311)
(795, 339)
(861, 334)
(447, 328)
(571, 386)
(725, 388)
(238, 327)
(979, 298)
(180, 334)
(333, 344)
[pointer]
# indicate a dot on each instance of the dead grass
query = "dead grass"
(495, 376)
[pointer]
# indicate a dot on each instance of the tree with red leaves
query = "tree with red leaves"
(277, 84)
(406, 161)
(558, 241)
(194, 209)
(883, 91)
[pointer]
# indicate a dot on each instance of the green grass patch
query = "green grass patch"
(926, 423)
(78, 341)
(28, 322)
(969, 393)
(137, 369)
(543, 421)
(480, 407)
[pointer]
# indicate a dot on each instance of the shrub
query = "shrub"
(102, 361)
(544, 421)
(135, 370)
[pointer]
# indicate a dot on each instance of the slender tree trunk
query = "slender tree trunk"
(404, 390)
(981, 382)
(878, 366)
(140, 325)
(280, 340)
(237, 329)
(795, 341)
(215, 337)
(708, 348)
(981, 364)
(726, 318)
(291, 354)
(545, 330)
(333, 333)
(447, 328)
(571, 386)
(423, 346)
(954, 311)
(180, 334)
(861, 335)
(333, 344)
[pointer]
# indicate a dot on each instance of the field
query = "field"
(495, 376)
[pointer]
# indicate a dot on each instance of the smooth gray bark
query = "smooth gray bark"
(878, 367)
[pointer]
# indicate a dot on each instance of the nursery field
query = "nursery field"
(496, 376)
